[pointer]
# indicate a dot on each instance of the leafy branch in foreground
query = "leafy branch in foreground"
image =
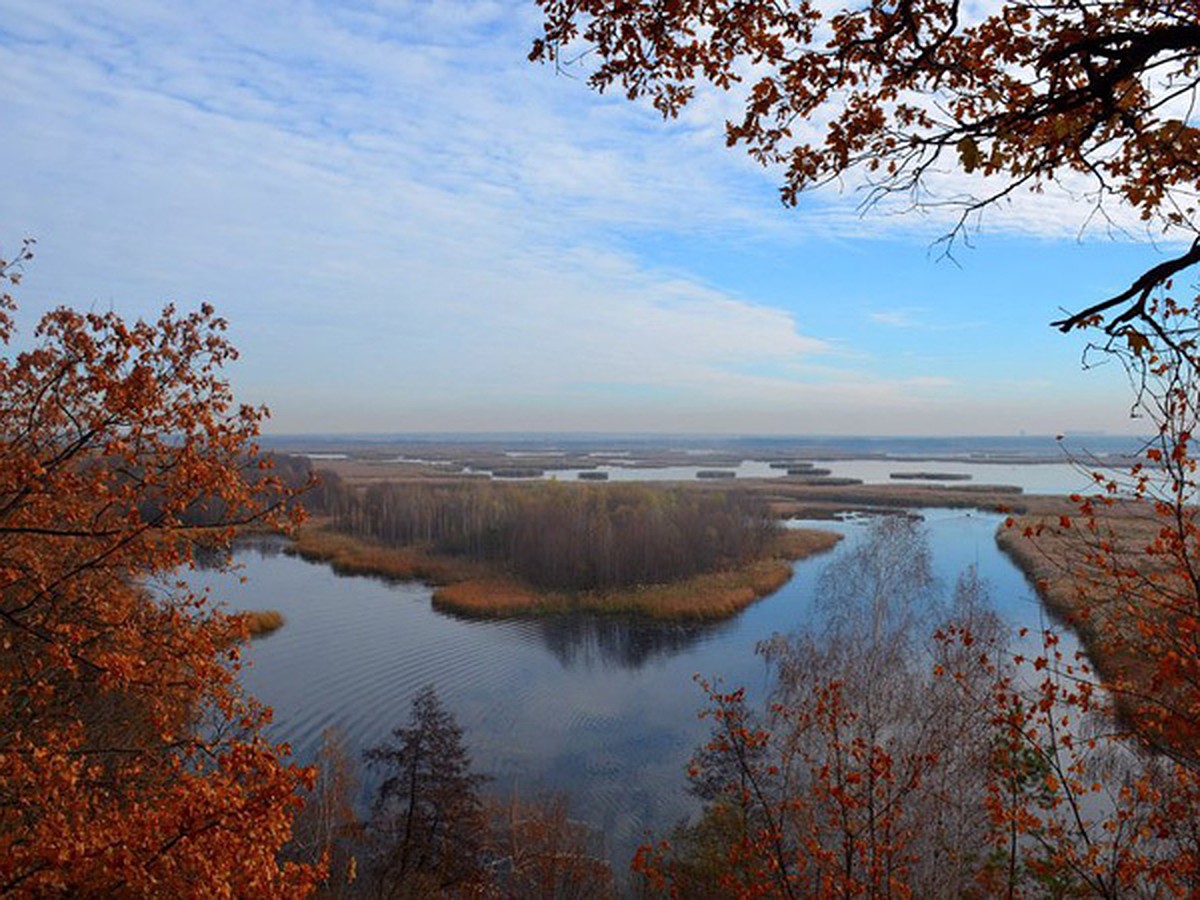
(1099, 96)
(129, 760)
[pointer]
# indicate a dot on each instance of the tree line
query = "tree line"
(568, 537)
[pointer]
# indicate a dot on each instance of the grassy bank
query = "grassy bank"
(1117, 620)
(348, 555)
(486, 590)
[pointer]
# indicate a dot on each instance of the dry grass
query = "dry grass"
(1115, 626)
(477, 590)
(356, 556)
(821, 501)
(717, 595)
(1056, 559)
(801, 543)
(263, 621)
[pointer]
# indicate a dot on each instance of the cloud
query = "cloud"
(896, 318)
(409, 226)
(918, 319)
(929, 381)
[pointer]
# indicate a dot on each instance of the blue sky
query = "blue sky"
(411, 228)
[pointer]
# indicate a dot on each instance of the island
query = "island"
(701, 550)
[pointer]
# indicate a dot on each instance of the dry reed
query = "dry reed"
(1110, 621)
(263, 621)
(481, 590)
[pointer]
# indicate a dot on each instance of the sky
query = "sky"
(411, 228)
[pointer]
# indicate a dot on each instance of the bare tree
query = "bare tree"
(867, 771)
(326, 828)
(537, 851)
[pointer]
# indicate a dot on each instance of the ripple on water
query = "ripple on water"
(602, 709)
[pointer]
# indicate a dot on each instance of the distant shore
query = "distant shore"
(570, 446)
(995, 468)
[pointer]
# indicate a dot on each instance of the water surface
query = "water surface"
(602, 708)
(1031, 477)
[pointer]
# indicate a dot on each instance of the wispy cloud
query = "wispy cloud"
(389, 195)
(929, 381)
(918, 318)
(896, 318)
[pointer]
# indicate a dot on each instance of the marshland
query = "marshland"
(571, 675)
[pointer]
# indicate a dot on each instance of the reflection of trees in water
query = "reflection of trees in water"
(211, 559)
(865, 769)
(214, 559)
(265, 545)
(588, 640)
(576, 640)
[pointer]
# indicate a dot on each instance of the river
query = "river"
(604, 709)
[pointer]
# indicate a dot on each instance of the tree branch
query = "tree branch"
(1141, 289)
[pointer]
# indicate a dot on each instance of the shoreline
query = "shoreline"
(1107, 622)
(476, 590)
(479, 589)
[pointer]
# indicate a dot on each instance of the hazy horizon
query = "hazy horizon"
(1041, 448)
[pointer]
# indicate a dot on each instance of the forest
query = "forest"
(558, 536)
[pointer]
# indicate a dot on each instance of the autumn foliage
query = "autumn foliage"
(925, 755)
(1098, 96)
(129, 761)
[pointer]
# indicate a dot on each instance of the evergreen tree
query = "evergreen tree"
(428, 825)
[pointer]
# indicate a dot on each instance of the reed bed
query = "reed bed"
(485, 590)
(1109, 617)
(349, 555)
(710, 597)
(263, 621)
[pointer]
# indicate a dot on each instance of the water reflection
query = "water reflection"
(211, 559)
(208, 558)
(601, 642)
(583, 641)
